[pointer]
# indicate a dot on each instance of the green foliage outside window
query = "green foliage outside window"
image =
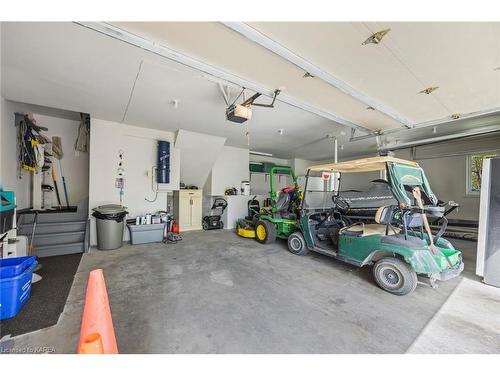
(476, 169)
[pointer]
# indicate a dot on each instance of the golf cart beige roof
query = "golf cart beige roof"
(377, 163)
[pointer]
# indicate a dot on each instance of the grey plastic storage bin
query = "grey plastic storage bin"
(109, 225)
(146, 233)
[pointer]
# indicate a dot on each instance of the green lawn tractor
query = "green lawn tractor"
(399, 245)
(279, 220)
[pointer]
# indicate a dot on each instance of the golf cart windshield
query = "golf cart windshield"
(403, 177)
(319, 191)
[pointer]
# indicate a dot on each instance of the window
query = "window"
(474, 171)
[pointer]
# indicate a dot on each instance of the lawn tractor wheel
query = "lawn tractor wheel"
(265, 232)
(296, 244)
(395, 276)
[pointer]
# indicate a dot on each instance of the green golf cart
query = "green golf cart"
(399, 244)
(279, 220)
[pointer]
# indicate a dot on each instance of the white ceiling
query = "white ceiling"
(217, 45)
(67, 66)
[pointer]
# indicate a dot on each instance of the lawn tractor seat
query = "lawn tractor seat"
(284, 203)
(383, 218)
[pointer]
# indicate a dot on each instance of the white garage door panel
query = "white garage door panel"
(458, 57)
(370, 69)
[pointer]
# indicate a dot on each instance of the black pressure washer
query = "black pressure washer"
(211, 221)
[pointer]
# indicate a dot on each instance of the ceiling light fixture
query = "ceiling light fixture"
(376, 38)
(280, 131)
(455, 116)
(429, 90)
(307, 75)
(370, 108)
(260, 153)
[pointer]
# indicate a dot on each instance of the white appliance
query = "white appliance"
(488, 244)
(245, 187)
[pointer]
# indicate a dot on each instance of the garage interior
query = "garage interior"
(147, 125)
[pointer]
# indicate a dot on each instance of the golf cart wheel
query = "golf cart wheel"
(395, 276)
(296, 244)
(265, 232)
(204, 225)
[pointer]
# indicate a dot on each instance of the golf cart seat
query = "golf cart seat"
(383, 218)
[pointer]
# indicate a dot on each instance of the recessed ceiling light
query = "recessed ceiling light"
(376, 38)
(280, 131)
(455, 116)
(429, 90)
(370, 108)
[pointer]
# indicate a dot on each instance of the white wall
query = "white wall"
(230, 168)
(139, 146)
(198, 155)
(61, 123)
(300, 166)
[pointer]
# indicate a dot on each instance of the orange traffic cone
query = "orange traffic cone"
(97, 335)
(92, 344)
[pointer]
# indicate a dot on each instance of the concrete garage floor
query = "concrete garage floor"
(217, 293)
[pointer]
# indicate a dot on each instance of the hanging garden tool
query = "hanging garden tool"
(418, 199)
(83, 137)
(30, 143)
(57, 151)
(56, 187)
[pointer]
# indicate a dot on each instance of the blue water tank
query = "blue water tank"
(163, 164)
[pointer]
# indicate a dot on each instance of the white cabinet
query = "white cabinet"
(188, 209)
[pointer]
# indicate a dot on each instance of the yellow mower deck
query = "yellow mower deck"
(247, 233)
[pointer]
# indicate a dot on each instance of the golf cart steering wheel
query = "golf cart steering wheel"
(340, 203)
